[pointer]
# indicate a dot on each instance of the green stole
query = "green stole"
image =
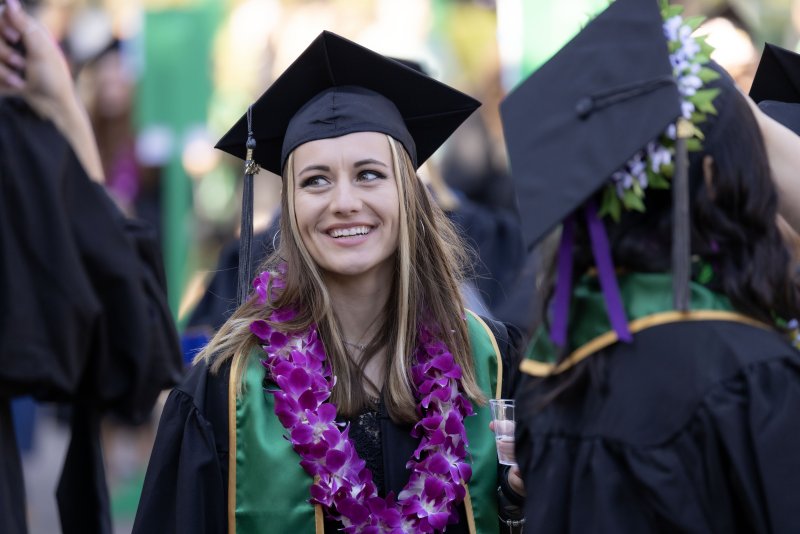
(647, 299)
(268, 491)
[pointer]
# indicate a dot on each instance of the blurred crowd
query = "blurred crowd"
(121, 54)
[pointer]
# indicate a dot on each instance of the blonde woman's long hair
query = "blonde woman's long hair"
(429, 268)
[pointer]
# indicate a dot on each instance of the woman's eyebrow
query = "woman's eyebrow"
(363, 162)
(323, 168)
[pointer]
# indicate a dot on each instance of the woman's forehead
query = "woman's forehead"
(348, 149)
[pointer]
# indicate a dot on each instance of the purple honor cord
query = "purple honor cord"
(605, 268)
(608, 279)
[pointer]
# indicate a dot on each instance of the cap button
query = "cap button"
(584, 107)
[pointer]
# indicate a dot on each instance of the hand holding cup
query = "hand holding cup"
(503, 426)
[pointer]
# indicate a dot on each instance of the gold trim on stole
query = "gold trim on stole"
(468, 509)
(499, 388)
(319, 522)
(497, 392)
(542, 369)
(235, 364)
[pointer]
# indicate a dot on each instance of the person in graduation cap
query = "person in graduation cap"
(662, 392)
(350, 387)
(776, 91)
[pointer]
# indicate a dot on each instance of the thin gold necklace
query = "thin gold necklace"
(359, 346)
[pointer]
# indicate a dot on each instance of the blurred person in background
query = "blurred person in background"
(778, 97)
(85, 321)
(109, 84)
(484, 208)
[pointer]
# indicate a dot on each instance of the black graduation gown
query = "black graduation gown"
(692, 428)
(185, 489)
(83, 312)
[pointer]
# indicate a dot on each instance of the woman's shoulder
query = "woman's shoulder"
(203, 393)
(505, 334)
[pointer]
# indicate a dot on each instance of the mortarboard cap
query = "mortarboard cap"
(584, 113)
(776, 86)
(410, 63)
(598, 115)
(786, 113)
(338, 87)
(777, 76)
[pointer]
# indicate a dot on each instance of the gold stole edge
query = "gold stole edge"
(234, 372)
(498, 357)
(542, 369)
(498, 390)
(319, 523)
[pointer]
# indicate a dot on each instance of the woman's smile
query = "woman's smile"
(345, 234)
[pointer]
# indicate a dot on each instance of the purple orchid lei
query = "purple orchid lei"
(343, 484)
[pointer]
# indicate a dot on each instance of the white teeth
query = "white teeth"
(347, 232)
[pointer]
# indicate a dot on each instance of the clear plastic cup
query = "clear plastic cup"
(503, 423)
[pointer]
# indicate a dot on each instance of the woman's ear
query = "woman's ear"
(708, 175)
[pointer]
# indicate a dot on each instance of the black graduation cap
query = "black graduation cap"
(354, 75)
(410, 63)
(587, 111)
(337, 87)
(776, 86)
(777, 76)
(787, 113)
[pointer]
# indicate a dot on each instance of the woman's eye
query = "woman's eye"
(313, 181)
(368, 176)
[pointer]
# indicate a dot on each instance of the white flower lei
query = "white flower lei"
(653, 166)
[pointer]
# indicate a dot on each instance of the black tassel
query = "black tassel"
(681, 237)
(246, 232)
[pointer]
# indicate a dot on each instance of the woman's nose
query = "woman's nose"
(346, 198)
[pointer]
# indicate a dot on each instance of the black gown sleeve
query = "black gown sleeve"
(185, 488)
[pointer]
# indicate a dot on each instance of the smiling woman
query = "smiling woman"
(350, 390)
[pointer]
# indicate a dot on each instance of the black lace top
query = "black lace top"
(365, 433)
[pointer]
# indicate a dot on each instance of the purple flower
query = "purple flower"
(282, 316)
(261, 329)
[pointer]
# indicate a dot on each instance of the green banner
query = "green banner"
(172, 99)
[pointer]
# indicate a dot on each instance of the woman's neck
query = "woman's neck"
(358, 305)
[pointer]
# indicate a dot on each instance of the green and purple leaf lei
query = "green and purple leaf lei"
(653, 166)
(296, 362)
